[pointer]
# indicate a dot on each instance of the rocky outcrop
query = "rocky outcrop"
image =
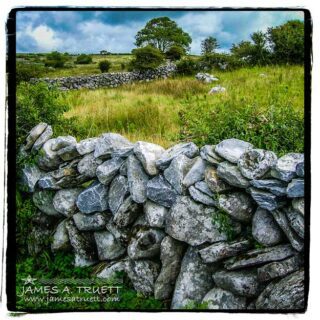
(221, 226)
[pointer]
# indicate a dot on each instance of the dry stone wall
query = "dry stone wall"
(221, 225)
(112, 79)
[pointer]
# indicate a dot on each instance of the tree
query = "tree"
(56, 59)
(209, 45)
(175, 53)
(162, 33)
(104, 65)
(287, 42)
(146, 58)
(260, 54)
(242, 50)
(83, 59)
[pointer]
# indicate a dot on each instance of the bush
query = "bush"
(221, 61)
(104, 65)
(175, 53)
(56, 59)
(83, 59)
(146, 58)
(188, 67)
(26, 71)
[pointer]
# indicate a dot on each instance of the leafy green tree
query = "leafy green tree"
(242, 50)
(56, 59)
(175, 53)
(162, 33)
(260, 54)
(83, 59)
(209, 45)
(287, 42)
(104, 65)
(146, 58)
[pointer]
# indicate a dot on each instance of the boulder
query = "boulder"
(86, 146)
(217, 89)
(296, 221)
(148, 153)
(119, 189)
(267, 200)
(48, 182)
(277, 187)
(232, 175)
(94, 222)
(88, 165)
(34, 134)
(62, 142)
(93, 199)
(232, 149)
(68, 153)
(110, 272)
(207, 153)
(108, 170)
(64, 201)
(127, 213)
(44, 137)
(155, 214)
(48, 159)
(29, 177)
(264, 228)
(195, 174)
(201, 197)
(295, 188)
(60, 240)
(215, 184)
(43, 200)
(300, 169)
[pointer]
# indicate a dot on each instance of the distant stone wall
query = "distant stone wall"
(113, 79)
(221, 225)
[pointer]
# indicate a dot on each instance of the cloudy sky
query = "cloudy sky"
(92, 31)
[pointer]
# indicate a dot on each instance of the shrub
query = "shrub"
(56, 59)
(104, 65)
(221, 61)
(26, 71)
(83, 59)
(188, 67)
(146, 58)
(175, 53)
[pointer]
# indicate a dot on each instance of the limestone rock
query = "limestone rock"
(238, 205)
(94, 198)
(264, 228)
(267, 200)
(298, 205)
(155, 214)
(88, 165)
(219, 299)
(64, 201)
(48, 182)
(196, 173)
(68, 153)
(285, 168)
(296, 188)
(60, 239)
(30, 176)
(216, 184)
(62, 142)
(109, 273)
(201, 197)
(300, 169)
(232, 175)
(108, 170)
(86, 146)
(255, 163)
(34, 134)
(296, 221)
(232, 149)
(108, 247)
(148, 153)
(161, 192)
(119, 189)
(127, 213)
(189, 149)
(44, 137)
(94, 222)
(43, 200)
(137, 180)
(171, 253)
(277, 187)
(207, 153)
(217, 89)
(48, 159)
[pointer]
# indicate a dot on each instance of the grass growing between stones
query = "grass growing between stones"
(267, 111)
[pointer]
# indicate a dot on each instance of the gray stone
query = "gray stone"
(196, 173)
(176, 172)
(108, 170)
(36, 240)
(189, 149)
(119, 189)
(296, 221)
(300, 169)
(109, 143)
(255, 163)
(127, 213)
(194, 280)
(108, 246)
(215, 184)
(295, 188)
(191, 222)
(298, 204)
(207, 153)
(44, 137)
(60, 240)
(232, 175)
(110, 272)
(123, 169)
(232, 149)
(282, 220)
(285, 168)
(287, 294)
(30, 176)
(143, 274)
(201, 197)
(148, 154)
(48, 159)
(64, 201)
(86, 146)
(137, 180)
(171, 253)
(219, 299)
(43, 200)
(94, 198)
(48, 182)
(161, 192)
(145, 244)
(34, 134)
(83, 246)
(277, 187)
(88, 165)
(203, 187)
(155, 214)
(62, 142)
(267, 200)
(279, 269)
(259, 256)
(222, 250)
(68, 153)
(242, 283)
(206, 77)
(94, 222)
(238, 205)
(121, 234)
(217, 89)
(264, 229)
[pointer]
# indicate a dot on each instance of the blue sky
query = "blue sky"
(92, 31)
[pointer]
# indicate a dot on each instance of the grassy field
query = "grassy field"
(254, 107)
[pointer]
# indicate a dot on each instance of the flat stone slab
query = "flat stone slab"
(296, 221)
(207, 153)
(231, 174)
(196, 173)
(295, 188)
(118, 191)
(201, 197)
(277, 187)
(34, 134)
(86, 146)
(267, 200)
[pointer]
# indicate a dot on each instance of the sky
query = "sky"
(93, 31)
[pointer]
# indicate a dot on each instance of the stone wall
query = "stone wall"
(113, 79)
(221, 225)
